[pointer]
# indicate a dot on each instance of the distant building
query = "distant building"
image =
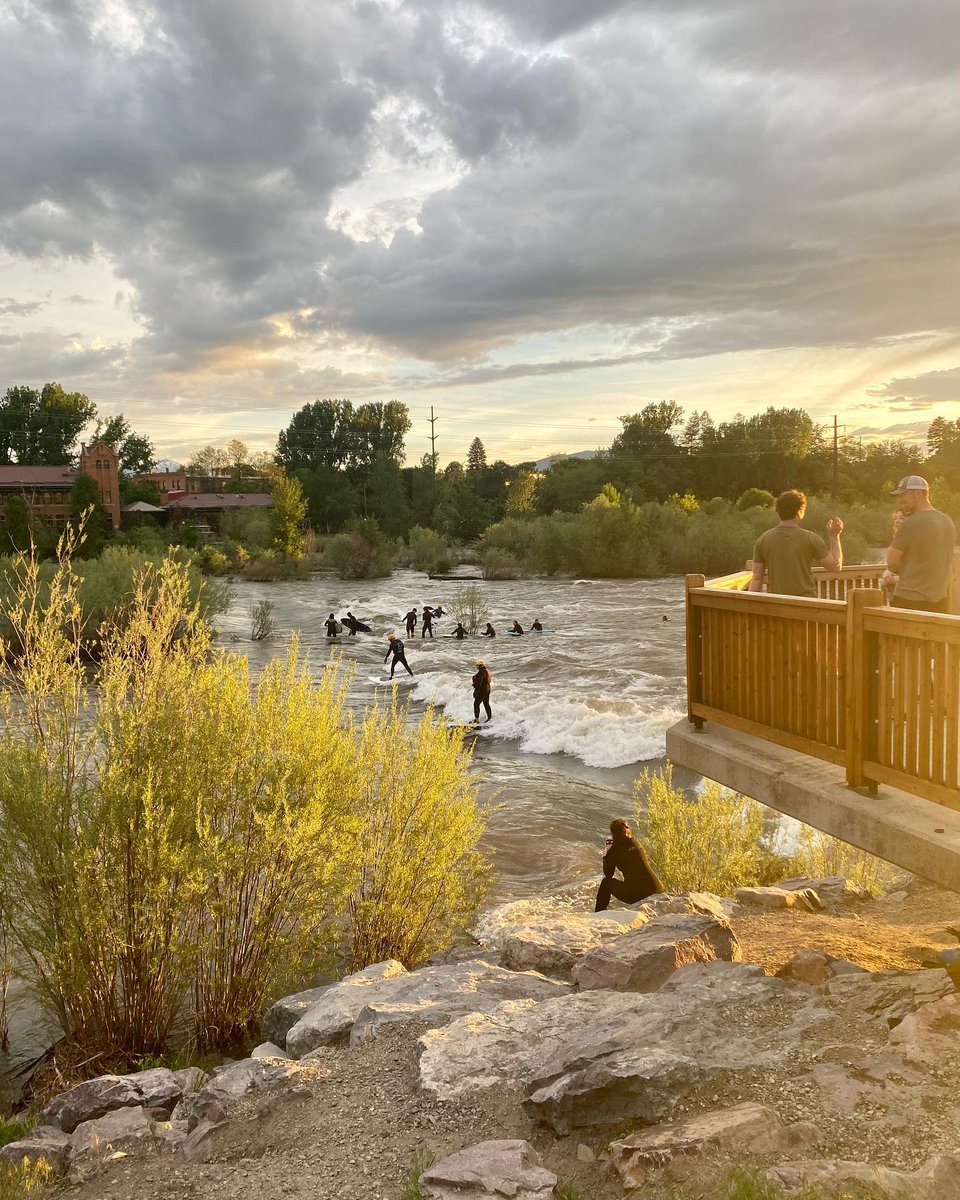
(46, 490)
(171, 484)
(209, 507)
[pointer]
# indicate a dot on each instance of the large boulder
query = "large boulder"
(43, 1144)
(891, 995)
(745, 1129)
(498, 1168)
(645, 958)
(832, 890)
(554, 946)
(777, 897)
(159, 1090)
(122, 1129)
(937, 1179)
(89, 1100)
(249, 1077)
(668, 903)
(433, 994)
(494, 923)
(930, 1036)
(600, 1056)
(281, 1017)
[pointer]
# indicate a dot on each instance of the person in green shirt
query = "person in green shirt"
(787, 554)
(920, 557)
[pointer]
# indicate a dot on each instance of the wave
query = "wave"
(601, 732)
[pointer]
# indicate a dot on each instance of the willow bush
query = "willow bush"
(418, 877)
(716, 841)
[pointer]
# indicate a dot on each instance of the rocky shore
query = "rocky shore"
(562, 1053)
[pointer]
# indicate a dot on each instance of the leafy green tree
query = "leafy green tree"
(386, 497)
(523, 492)
(16, 525)
(135, 451)
(287, 514)
(320, 434)
(87, 512)
(756, 498)
(42, 427)
(330, 495)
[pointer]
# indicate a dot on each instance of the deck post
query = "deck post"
(694, 650)
(953, 593)
(861, 682)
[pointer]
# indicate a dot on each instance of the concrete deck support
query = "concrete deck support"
(915, 834)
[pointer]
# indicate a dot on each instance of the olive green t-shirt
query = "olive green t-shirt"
(789, 554)
(927, 539)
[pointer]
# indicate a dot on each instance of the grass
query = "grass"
(566, 1191)
(749, 1183)
(423, 1159)
(12, 1129)
(26, 1179)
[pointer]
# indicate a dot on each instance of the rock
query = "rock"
(201, 1143)
(585, 1154)
(44, 1143)
(268, 1050)
(248, 1077)
(745, 1129)
(890, 995)
(196, 1107)
(894, 897)
(930, 1036)
(643, 959)
(832, 890)
(937, 1179)
(777, 897)
(190, 1079)
(159, 1089)
(89, 1100)
(494, 923)
(432, 994)
(122, 1129)
(666, 903)
(498, 1168)
(553, 947)
(949, 957)
(599, 1056)
(816, 967)
(281, 1017)
(882, 1084)
(170, 1135)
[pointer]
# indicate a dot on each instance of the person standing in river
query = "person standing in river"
(426, 625)
(411, 620)
(331, 626)
(624, 853)
(481, 691)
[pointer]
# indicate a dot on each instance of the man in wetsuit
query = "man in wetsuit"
(537, 626)
(396, 649)
(331, 626)
(481, 691)
(489, 631)
(460, 632)
(426, 625)
(517, 627)
(411, 619)
(352, 623)
(624, 853)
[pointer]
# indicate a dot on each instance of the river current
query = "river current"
(577, 712)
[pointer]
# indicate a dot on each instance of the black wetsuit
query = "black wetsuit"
(460, 632)
(639, 878)
(427, 625)
(537, 626)
(517, 627)
(489, 631)
(352, 624)
(331, 625)
(396, 649)
(481, 693)
(411, 620)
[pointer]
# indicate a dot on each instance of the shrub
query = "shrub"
(499, 564)
(12, 1129)
(363, 553)
(250, 527)
(715, 842)
(262, 624)
(25, 1179)
(269, 567)
(756, 498)
(469, 607)
(820, 854)
(426, 548)
(419, 877)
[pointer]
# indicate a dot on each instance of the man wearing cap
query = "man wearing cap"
(396, 649)
(921, 553)
(481, 691)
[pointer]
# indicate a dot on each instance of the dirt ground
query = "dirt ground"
(364, 1126)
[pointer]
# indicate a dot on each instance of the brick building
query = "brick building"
(170, 484)
(46, 490)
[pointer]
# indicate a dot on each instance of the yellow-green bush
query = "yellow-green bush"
(418, 876)
(24, 1179)
(176, 833)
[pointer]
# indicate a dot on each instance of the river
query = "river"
(577, 711)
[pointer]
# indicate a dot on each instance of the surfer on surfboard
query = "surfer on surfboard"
(396, 649)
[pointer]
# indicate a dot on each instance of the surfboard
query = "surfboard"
(396, 681)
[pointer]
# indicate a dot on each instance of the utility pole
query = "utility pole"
(836, 461)
(433, 441)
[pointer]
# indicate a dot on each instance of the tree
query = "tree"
(321, 434)
(16, 526)
(209, 460)
(42, 427)
(87, 512)
(476, 456)
(523, 492)
(287, 515)
(135, 451)
(649, 432)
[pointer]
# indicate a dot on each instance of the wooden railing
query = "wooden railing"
(873, 689)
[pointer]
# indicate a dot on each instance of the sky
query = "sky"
(534, 216)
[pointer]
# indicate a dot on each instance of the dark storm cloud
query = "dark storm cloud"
(932, 387)
(695, 177)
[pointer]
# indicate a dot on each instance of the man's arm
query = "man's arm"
(756, 580)
(834, 560)
(894, 560)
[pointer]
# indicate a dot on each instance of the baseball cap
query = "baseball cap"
(911, 483)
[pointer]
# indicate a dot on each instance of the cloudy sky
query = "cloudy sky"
(534, 215)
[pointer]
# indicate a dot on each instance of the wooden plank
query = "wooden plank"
(909, 714)
(923, 713)
(780, 737)
(694, 646)
(938, 731)
(930, 627)
(947, 796)
(857, 687)
(952, 717)
(789, 607)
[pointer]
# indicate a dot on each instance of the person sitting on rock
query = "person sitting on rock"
(624, 853)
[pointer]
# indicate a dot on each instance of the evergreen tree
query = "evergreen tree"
(476, 456)
(87, 511)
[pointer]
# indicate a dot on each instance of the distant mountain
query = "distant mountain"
(544, 464)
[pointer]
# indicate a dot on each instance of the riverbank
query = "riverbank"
(853, 1065)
